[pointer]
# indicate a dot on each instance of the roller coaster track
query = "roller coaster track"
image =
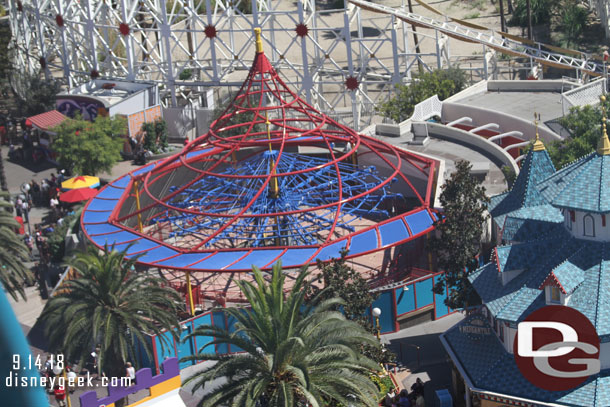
(499, 41)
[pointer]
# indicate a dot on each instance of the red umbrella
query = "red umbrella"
(78, 195)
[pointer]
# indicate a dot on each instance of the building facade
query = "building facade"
(555, 251)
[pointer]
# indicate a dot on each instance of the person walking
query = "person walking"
(130, 372)
(54, 204)
(60, 395)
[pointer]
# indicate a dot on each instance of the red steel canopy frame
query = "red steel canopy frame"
(273, 179)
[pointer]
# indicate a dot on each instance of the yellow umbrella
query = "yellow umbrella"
(82, 181)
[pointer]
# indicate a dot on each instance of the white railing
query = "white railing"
(584, 95)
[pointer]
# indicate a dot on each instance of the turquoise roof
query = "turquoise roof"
(519, 229)
(524, 201)
(529, 214)
(489, 367)
(580, 185)
(582, 267)
(569, 275)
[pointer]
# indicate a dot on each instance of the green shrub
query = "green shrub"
(185, 75)
(442, 82)
(155, 136)
(573, 21)
(57, 239)
(540, 11)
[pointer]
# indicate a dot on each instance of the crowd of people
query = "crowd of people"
(41, 194)
(405, 399)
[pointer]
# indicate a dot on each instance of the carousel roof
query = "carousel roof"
(273, 179)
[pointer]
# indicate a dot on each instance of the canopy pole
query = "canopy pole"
(190, 291)
(137, 193)
(275, 189)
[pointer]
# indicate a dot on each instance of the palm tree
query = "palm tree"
(294, 354)
(13, 253)
(110, 305)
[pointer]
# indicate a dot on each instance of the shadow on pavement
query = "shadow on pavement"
(426, 358)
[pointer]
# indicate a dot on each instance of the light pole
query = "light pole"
(376, 314)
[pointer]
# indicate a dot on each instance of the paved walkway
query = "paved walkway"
(421, 354)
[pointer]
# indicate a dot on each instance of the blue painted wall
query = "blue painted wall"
(425, 295)
(385, 304)
(405, 300)
(219, 320)
(393, 303)
(440, 309)
(186, 348)
(169, 351)
(202, 341)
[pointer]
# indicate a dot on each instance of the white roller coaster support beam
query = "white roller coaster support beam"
(396, 74)
(90, 30)
(518, 145)
(491, 39)
(208, 7)
(165, 34)
(128, 42)
(41, 43)
(307, 84)
(488, 126)
(350, 62)
(513, 133)
(461, 120)
(65, 57)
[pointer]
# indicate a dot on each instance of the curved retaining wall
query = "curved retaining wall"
(491, 149)
(453, 111)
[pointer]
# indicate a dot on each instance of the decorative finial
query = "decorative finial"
(603, 147)
(259, 40)
(538, 144)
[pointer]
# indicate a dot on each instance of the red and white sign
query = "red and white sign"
(557, 348)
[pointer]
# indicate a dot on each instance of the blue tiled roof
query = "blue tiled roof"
(536, 167)
(581, 266)
(521, 302)
(580, 185)
(569, 275)
(521, 230)
(490, 367)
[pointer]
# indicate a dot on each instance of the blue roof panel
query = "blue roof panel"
(144, 170)
(137, 246)
(218, 261)
(109, 192)
(197, 153)
(363, 242)
(331, 252)
(114, 238)
(101, 229)
(102, 205)
(182, 260)
(258, 258)
(296, 257)
(156, 254)
(95, 217)
(419, 221)
(393, 232)
(121, 182)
